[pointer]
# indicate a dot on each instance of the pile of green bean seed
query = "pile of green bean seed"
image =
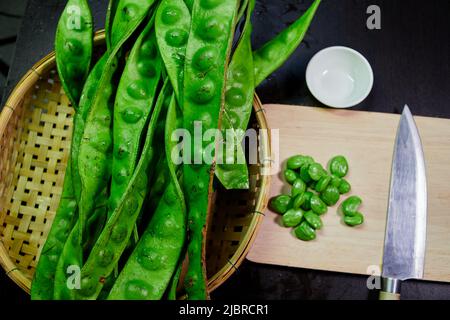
(131, 223)
(313, 190)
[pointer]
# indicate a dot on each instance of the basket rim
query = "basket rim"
(16, 97)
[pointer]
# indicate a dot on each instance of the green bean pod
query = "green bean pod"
(189, 4)
(275, 52)
(172, 25)
(128, 14)
(149, 269)
(65, 219)
(212, 29)
(72, 252)
(173, 286)
(91, 172)
(95, 153)
(110, 13)
(133, 105)
(240, 89)
(73, 48)
(242, 7)
(115, 236)
(43, 281)
(89, 92)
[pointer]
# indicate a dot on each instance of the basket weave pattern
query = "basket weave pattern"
(36, 132)
(32, 170)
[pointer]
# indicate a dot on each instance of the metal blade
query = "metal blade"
(404, 243)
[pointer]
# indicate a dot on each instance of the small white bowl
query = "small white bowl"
(339, 77)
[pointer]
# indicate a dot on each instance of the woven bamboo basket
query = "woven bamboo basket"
(35, 131)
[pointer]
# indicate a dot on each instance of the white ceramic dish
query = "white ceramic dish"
(339, 77)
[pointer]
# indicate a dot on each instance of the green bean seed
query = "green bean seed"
(344, 187)
(330, 195)
(313, 220)
(307, 203)
(339, 166)
(280, 204)
(299, 200)
(309, 160)
(295, 162)
(323, 183)
(350, 206)
(335, 181)
(317, 205)
(290, 176)
(305, 232)
(298, 187)
(316, 171)
(292, 217)
(354, 220)
(304, 173)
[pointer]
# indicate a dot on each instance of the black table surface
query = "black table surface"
(410, 57)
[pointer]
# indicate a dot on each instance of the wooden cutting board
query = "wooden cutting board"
(367, 140)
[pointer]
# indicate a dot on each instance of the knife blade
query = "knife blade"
(405, 235)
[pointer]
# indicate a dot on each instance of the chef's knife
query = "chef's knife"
(405, 237)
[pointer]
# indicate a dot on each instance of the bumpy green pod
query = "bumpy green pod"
(128, 14)
(151, 265)
(95, 154)
(174, 282)
(239, 94)
(91, 172)
(89, 91)
(110, 13)
(133, 105)
(149, 269)
(172, 25)
(43, 282)
(72, 252)
(96, 148)
(190, 4)
(274, 53)
(242, 7)
(212, 29)
(115, 236)
(73, 48)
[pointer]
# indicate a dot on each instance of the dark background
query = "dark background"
(411, 63)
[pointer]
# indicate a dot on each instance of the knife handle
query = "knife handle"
(390, 289)
(389, 296)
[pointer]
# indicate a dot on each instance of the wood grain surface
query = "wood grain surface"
(367, 140)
